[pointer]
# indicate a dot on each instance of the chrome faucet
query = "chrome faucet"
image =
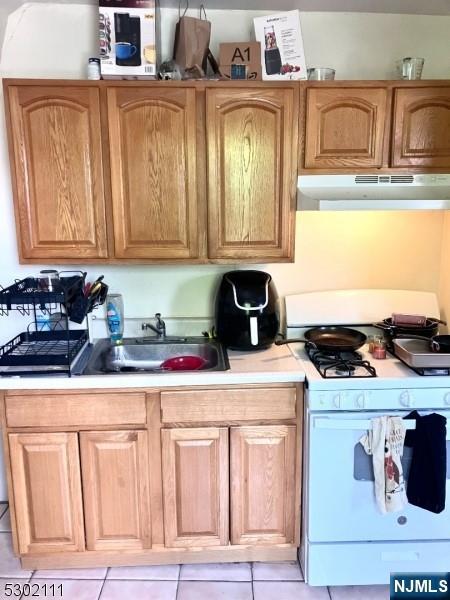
(159, 328)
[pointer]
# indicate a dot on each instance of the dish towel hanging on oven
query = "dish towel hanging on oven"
(428, 473)
(384, 442)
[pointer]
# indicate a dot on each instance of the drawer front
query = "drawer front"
(75, 410)
(199, 406)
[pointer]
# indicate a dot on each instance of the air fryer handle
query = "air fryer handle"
(254, 338)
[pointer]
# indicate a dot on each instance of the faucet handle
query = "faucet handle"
(158, 318)
(160, 325)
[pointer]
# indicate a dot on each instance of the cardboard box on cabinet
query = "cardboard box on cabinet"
(240, 60)
(282, 53)
(128, 36)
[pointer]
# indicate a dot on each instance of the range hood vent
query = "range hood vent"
(384, 179)
(404, 191)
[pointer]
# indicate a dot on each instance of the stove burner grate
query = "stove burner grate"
(336, 365)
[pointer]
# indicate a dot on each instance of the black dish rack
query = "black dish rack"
(40, 352)
(25, 295)
(51, 348)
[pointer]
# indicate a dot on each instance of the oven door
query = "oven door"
(340, 494)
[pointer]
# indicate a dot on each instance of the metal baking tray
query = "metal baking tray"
(417, 354)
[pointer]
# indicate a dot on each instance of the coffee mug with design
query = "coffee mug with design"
(125, 50)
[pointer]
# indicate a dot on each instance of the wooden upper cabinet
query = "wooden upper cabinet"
(421, 133)
(345, 127)
(196, 486)
(251, 149)
(116, 490)
(153, 153)
(263, 495)
(56, 162)
(47, 492)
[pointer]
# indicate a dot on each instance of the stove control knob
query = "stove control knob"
(447, 399)
(337, 401)
(361, 400)
(405, 399)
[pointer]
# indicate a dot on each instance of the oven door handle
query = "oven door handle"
(352, 424)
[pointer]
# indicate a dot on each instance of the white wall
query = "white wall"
(333, 250)
(54, 39)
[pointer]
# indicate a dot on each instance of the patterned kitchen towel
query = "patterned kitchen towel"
(384, 442)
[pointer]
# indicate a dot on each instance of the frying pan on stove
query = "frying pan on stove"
(331, 339)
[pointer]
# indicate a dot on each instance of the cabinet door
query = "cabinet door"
(251, 142)
(345, 127)
(56, 161)
(47, 492)
(152, 136)
(422, 127)
(116, 491)
(263, 484)
(196, 486)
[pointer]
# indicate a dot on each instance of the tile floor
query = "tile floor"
(235, 581)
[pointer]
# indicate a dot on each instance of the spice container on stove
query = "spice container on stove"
(372, 340)
(379, 349)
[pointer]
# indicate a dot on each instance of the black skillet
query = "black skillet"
(331, 339)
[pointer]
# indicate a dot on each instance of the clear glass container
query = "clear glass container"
(115, 317)
(49, 280)
(321, 73)
(373, 340)
(411, 67)
(379, 350)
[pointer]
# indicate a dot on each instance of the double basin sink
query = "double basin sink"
(147, 356)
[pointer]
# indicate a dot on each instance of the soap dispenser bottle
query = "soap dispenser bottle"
(114, 317)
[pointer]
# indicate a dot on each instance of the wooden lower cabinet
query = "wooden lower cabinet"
(263, 484)
(114, 465)
(189, 475)
(45, 469)
(262, 490)
(195, 484)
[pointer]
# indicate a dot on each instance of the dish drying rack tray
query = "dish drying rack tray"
(49, 347)
(43, 348)
(25, 295)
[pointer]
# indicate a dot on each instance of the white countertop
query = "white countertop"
(275, 365)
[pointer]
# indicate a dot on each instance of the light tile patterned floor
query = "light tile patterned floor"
(235, 581)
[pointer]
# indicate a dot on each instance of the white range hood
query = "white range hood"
(374, 192)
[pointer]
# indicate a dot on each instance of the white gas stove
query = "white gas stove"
(345, 539)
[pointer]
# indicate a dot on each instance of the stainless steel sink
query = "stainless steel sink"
(136, 356)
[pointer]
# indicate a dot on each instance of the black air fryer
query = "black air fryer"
(247, 315)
